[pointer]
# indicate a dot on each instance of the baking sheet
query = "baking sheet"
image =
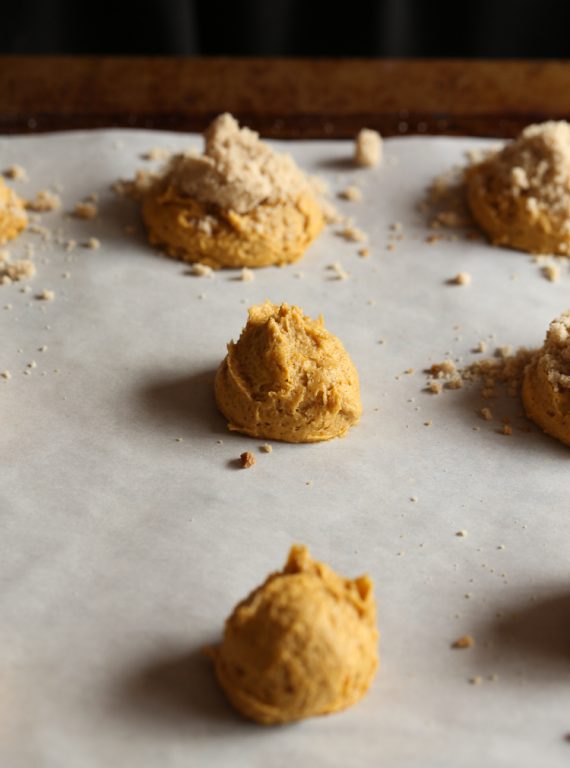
(123, 550)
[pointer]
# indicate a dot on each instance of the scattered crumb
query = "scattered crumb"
(428, 423)
(13, 271)
(440, 370)
(266, 448)
(456, 382)
(352, 193)
(353, 234)
(44, 201)
(66, 275)
(551, 272)
(32, 364)
(364, 252)
(486, 414)
(337, 268)
(413, 498)
(93, 243)
(462, 534)
(85, 210)
(179, 439)
(16, 173)
(6, 375)
(156, 153)
(246, 275)
(201, 270)
(507, 430)
(43, 348)
(461, 278)
(368, 148)
(435, 387)
(247, 459)
(465, 641)
(481, 347)
(504, 352)
(501, 546)
(476, 680)
(409, 371)
(46, 296)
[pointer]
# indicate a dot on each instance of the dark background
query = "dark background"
(395, 28)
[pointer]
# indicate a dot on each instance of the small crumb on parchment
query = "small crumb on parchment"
(46, 295)
(351, 193)
(461, 534)
(476, 680)
(461, 278)
(247, 459)
(367, 148)
(92, 243)
(16, 173)
(85, 210)
(201, 270)
(246, 275)
(44, 202)
(266, 448)
(551, 272)
(465, 641)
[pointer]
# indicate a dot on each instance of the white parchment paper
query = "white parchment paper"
(122, 550)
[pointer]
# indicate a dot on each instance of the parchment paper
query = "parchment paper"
(123, 550)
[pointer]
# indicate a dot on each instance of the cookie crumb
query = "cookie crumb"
(476, 680)
(352, 193)
(465, 641)
(551, 272)
(92, 243)
(364, 252)
(486, 414)
(46, 296)
(337, 268)
(461, 278)
(435, 387)
(246, 275)
(16, 173)
(13, 271)
(44, 202)
(201, 270)
(507, 430)
(156, 153)
(352, 234)
(85, 210)
(266, 448)
(368, 148)
(247, 459)
(413, 498)
(6, 375)
(462, 534)
(428, 423)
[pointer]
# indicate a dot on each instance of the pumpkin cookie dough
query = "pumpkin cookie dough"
(304, 643)
(13, 217)
(287, 378)
(520, 195)
(239, 204)
(546, 383)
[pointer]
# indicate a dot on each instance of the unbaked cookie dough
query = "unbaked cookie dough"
(520, 195)
(287, 378)
(304, 643)
(13, 217)
(546, 382)
(240, 204)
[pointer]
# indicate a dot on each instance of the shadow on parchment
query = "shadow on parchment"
(539, 631)
(186, 403)
(176, 689)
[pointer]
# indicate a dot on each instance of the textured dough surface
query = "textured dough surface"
(304, 643)
(272, 234)
(239, 204)
(288, 378)
(13, 217)
(546, 383)
(520, 196)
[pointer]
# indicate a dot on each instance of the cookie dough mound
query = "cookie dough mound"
(546, 383)
(304, 643)
(237, 205)
(13, 217)
(287, 378)
(520, 196)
